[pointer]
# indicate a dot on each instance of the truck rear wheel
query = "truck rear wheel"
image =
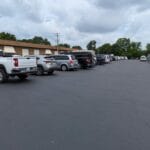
(3, 76)
(22, 76)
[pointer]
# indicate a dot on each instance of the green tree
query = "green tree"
(123, 43)
(91, 45)
(148, 48)
(135, 46)
(37, 40)
(105, 49)
(135, 50)
(116, 50)
(7, 36)
(77, 47)
(65, 45)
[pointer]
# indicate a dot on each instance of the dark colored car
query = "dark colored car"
(85, 59)
(100, 59)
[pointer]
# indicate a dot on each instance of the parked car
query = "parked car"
(112, 57)
(86, 58)
(107, 59)
(143, 58)
(148, 58)
(45, 64)
(126, 58)
(14, 65)
(100, 59)
(66, 62)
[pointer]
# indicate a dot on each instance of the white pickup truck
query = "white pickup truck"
(14, 65)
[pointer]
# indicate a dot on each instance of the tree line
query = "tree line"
(122, 47)
(35, 40)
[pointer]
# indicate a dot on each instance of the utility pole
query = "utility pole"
(57, 40)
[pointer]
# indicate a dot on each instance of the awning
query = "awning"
(9, 49)
(48, 51)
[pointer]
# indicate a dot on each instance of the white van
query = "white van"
(107, 59)
(143, 58)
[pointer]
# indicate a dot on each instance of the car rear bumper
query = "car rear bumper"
(76, 66)
(29, 70)
(52, 67)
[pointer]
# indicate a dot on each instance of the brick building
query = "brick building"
(23, 48)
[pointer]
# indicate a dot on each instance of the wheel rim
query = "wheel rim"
(1, 76)
(39, 71)
(64, 68)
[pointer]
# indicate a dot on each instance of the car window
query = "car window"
(62, 57)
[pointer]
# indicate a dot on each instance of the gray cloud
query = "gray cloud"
(120, 4)
(78, 21)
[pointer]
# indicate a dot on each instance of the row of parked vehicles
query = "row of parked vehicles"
(12, 65)
(105, 58)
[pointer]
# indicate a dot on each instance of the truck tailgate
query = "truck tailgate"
(26, 62)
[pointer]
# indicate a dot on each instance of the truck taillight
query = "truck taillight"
(16, 63)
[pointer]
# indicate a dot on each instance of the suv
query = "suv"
(45, 64)
(100, 59)
(66, 62)
(85, 58)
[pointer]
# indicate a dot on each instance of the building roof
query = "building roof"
(31, 45)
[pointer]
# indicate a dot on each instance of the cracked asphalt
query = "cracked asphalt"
(104, 108)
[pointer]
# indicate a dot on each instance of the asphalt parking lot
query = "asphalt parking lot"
(104, 108)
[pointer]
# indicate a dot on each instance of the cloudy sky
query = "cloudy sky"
(77, 21)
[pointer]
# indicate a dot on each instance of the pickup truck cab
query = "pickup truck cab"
(15, 65)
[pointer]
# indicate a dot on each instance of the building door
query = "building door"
(25, 52)
(36, 52)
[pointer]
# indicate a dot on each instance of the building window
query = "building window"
(25, 52)
(36, 52)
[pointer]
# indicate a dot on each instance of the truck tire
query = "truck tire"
(64, 68)
(3, 76)
(22, 76)
(40, 71)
